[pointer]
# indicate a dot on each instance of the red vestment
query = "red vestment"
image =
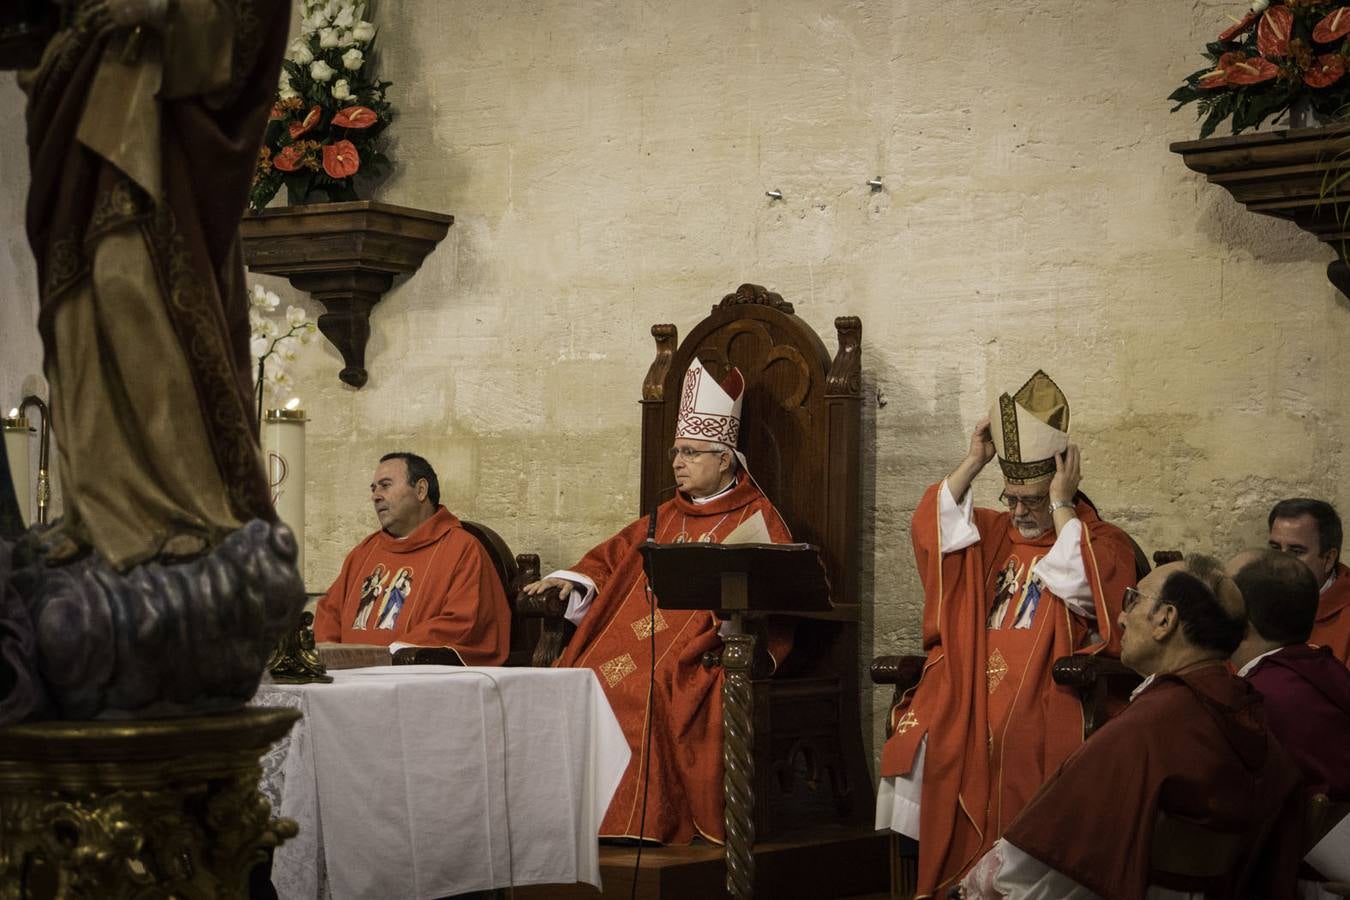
(997, 724)
(1332, 628)
(684, 796)
(1193, 745)
(1307, 694)
(434, 588)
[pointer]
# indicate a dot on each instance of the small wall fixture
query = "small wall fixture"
(875, 184)
(774, 195)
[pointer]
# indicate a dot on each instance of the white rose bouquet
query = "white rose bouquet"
(328, 112)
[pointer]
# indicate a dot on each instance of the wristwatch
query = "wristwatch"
(1060, 504)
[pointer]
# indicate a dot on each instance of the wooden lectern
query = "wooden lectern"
(737, 581)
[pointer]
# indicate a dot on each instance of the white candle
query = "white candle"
(283, 440)
(16, 448)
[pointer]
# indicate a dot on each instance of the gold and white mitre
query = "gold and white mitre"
(710, 411)
(1029, 428)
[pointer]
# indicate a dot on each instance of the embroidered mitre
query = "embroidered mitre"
(1029, 428)
(710, 411)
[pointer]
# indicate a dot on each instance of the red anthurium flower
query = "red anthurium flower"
(1336, 24)
(340, 159)
(1252, 70)
(288, 158)
(355, 117)
(311, 119)
(1272, 35)
(1218, 76)
(1325, 71)
(1240, 26)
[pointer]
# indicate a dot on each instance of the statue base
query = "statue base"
(122, 809)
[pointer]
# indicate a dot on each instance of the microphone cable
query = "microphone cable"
(646, 759)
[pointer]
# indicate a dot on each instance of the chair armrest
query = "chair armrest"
(1082, 671)
(901, 671)
(549, 605)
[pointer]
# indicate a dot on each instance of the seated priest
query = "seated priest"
(421, 580)
(1306, 689)
(1190, 756)
(1006, 593)
(619, 626)
(1311, 530)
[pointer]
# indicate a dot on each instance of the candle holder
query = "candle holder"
(17, 431)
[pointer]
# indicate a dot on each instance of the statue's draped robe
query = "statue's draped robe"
(997, 725)
(141, 158)
(1191, 744)
(436, 587)
(684, 796)
(1332, 627)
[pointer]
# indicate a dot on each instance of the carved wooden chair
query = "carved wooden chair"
(800, 433)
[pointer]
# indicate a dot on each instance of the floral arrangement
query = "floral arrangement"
(272, 342)
(328, 111)
(1280, 54)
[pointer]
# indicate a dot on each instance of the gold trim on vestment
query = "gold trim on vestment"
(618, 668)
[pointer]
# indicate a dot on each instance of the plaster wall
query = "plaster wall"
(607, 164)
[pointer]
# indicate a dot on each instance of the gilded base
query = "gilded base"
(137, 809)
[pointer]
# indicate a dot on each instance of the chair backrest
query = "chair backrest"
(800, 420)
(524, 631)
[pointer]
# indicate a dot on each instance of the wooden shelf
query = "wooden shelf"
(345, 255)
(1281, 174)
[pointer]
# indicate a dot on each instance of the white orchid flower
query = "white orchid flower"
(345, 18)
(295, 315)
(353, 60)
(321, 71)
(362, 32)
(257, 347)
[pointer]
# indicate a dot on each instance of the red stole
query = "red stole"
(684, 796)
(1332, 628)
(997, 725)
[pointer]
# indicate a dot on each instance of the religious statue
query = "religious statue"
(168, 580)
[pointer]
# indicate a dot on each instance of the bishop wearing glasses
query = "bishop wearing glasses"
(1006, 593)
(619, 627)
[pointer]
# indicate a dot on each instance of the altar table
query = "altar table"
(428, 781)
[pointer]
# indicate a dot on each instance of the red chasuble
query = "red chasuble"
(1193, 745)
(997, 724)
(1332, 628)
(684, 797)
(1307, 694)
(434, 588)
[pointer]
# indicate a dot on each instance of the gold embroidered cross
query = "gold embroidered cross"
(907, 721)
(617, 669)
(643, 626)
(996, 669)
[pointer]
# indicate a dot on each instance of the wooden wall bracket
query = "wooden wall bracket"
(1282, 174)
(345, 255)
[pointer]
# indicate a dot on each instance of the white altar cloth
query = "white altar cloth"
(399, 782)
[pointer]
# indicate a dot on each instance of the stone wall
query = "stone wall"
(607, 164)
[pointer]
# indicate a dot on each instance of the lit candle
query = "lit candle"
(283, 441)
(16, 448)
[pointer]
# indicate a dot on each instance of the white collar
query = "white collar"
(1252, 664)
(711, 497)
(1142, 685)
(1331, 579)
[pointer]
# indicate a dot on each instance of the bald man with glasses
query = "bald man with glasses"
(1006, 593)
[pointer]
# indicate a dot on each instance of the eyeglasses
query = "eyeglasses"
(1132, 597)
(687, 453)
(1031, 503)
